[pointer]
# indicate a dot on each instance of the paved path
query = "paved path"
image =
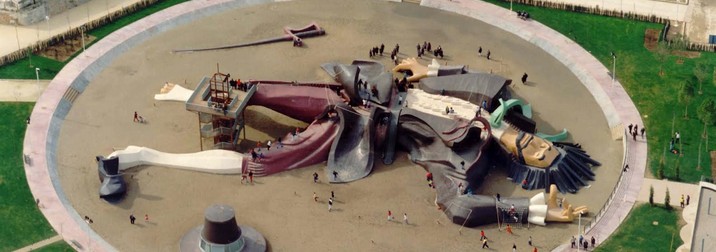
(21, 90)
(63, 22)
(40, 244)
(676, 189)
(613, 99)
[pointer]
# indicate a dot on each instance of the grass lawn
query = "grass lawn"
(22, 223)
(655, 96)
(59, 246)
(637, 233)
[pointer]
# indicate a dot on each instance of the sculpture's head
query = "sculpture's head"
(528, 148)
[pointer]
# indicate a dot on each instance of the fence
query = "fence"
(589, 224)
(74, 32)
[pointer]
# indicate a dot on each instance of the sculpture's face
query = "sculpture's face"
(536, 151)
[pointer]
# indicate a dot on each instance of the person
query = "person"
(333, 195)
(330, 204)
(335, 175)
(636, 129)
(581, 239)
(512, 208)
(484, 104)
(28, 120)
(251, 177)
(524, 78)
(315, 197)
(429, 47)
(460, 189)
(524, 183)
(430, 184)
(146, 217)
(482, 235)
(574, 242)
(682, 202)
(268, 145)
(488, 54)
(405, 218)
(509, 229)
(315, 177)
(136, 116)
(514, 247)
(634, 135)
(390, 215)
(529, 241)
(243, 174)
(535, 249)
(671, 144)
(479, 51)
(678, 137)
(586, 245)
(688, 198)
(594, 241)
(498, 197)
(630, 127)
(382, 47)
(280, 144)
(484, 243)
(626, 168)
(132, 218)
(642, 132)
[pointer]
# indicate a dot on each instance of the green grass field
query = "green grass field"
(638, 233)
(22, 223)
(655, 96)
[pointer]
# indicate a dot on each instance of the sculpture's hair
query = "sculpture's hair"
(569, 171)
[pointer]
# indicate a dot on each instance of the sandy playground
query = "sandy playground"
(281, 206)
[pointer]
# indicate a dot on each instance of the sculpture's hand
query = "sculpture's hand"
(419, 71)
(557, 214)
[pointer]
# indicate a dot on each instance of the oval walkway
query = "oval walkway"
(55, 102)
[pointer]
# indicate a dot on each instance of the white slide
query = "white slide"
(173, 92)
(211, 161)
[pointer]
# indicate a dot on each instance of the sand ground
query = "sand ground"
(280, 206)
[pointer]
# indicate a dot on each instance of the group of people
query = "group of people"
(377, 50)
(250, 175)
(523, 15)
(479, 51)
(688, 199)
(427, 46)
(391, 218)
(583, 242)
(429, 178)
(237, 84)
(674, 140)
(634, 131)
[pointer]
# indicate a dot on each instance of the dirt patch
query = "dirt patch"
(651, 38)
(687, 54)
(65, 49)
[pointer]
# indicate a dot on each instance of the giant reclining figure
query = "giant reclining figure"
(458, 147)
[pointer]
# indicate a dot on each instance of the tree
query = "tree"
(660, 171)
(662, 54)
(651, 195)
(667, 199)
(686, 92)
(701, 72)
(707, 111)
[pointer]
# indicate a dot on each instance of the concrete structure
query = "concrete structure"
(700, 218)
(28, 12)
(221, 233)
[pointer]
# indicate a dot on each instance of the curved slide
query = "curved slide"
(351, 155)
(211, 161)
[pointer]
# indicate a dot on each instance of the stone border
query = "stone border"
(42, 134)
(49, 112)
(615, 103)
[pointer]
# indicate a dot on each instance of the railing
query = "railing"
(598, 216)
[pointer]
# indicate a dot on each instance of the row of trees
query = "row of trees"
(667, 198)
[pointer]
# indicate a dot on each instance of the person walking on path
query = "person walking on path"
(482, 235)
(251, 177)
(688, 198)
(136, 116)
(682, 201)
(630, 128)
(390, 216)
(574, 242)
(636, 129)
(405, 218)
(330, 204)
(315, 177)
(642, 132)
(524, 78)
(484, 243)
(132, 218)
(594, 242)
(315, 197)
(634, 135)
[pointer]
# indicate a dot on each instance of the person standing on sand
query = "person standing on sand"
(479, 51)
(482, 235)
(268, 145)
(315, 177)
(146, 217)
(514, 247)
(333, 195)
(330, 204)
(132, 218)
(390, 215)
(530, 241)
(488, 54)
(524, 78)
(315, 197)
(136, 116)
(405, 218)
(484, 243)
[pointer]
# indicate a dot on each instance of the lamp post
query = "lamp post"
(510, 5)
(37, 75)
(82, 34)
(614, 68)
(579, 231)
